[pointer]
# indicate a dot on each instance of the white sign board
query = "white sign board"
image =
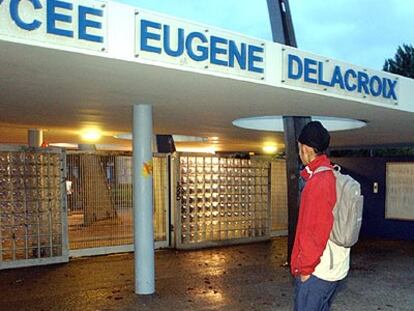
(309, 71)
(400, 191)
(167, 40)
(81, 24)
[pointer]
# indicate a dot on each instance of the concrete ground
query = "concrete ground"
(246, 277)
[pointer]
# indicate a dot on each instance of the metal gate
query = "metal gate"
(32, 207)
(221, 201)
(100, 202)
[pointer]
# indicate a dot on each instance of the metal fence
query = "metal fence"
(32, 207)
(221, 201)
(216, 201)
(100, 202)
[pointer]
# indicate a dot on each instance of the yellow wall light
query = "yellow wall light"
(91, 134)
(270, 149)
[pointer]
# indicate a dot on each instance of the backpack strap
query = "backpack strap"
(322, 169)
(331, 256)
(336, 168)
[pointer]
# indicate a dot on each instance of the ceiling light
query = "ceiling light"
(186, 138)
(214, 140)
(211, 150)
(91, 135)
(127, 136)
(64, 145)
(176, 138)
(270, 148)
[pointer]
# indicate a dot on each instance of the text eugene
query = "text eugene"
(199, 47)
(312, 71)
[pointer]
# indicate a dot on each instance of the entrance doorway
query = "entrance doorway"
(100, 205)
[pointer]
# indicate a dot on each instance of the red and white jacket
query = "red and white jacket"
(315, 217)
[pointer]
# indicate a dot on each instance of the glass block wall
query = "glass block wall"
(30, 206)
(222, 199)
(279, 198)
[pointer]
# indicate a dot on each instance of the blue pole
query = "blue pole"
(143, 205)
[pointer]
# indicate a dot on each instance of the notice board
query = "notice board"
(399, 191)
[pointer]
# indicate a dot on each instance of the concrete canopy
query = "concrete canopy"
(64, 89)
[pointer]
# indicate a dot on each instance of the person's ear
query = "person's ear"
(307, 149)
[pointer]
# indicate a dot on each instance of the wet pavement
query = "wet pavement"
(245, 277)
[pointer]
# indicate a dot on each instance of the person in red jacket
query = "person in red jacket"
(316, 262)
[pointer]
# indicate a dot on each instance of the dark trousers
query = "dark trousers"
(314, 294)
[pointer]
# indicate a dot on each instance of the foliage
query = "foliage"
(403, 62)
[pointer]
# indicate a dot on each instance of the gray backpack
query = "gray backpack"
(347, 210)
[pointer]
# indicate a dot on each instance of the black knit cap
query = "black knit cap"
(315, 135)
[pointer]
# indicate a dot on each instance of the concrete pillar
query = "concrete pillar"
(35, 138)
(143, 201)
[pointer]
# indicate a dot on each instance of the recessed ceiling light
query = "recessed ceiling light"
(91, 134)
(176, 138)
(210, 149)
(186, 138)
(127, 136)
(64, 145)
(270, 148)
